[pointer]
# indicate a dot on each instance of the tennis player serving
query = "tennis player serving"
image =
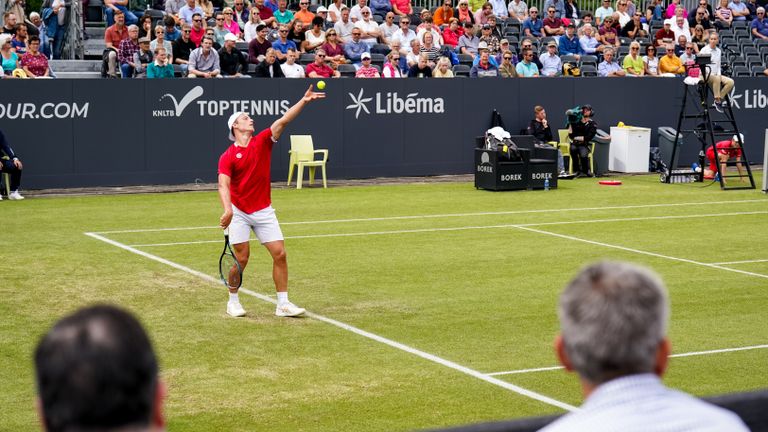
(245, 192)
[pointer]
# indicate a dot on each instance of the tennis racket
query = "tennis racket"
(229, 269)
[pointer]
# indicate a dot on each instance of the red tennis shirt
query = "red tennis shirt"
(249, 171)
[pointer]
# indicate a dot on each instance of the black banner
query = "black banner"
(73, 133)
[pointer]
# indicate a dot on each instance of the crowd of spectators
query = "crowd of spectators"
(236, 38)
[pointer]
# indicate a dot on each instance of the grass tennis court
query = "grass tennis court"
(432, 304)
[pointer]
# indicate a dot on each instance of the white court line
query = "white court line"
(425, 355)
(741, 262)
(427, 230)
(688, 354)
(642, 252)
(455, 215)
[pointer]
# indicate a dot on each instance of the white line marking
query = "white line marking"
(425, 355)
(688, 354)
(456, 215)
(426, 230)
(741, 262)
(638, 251)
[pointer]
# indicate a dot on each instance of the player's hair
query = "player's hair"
(613, 317)
(96, 370)
(538, 108)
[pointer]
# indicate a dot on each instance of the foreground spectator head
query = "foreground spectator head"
(96, 370)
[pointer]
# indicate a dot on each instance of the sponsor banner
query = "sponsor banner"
(73, 133)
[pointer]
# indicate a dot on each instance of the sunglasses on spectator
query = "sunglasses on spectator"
(219, 19)
(197, 20)
(634, 48)
(286, 31)
(319, 55)
(507, 58)
(366, 13)
(187, 31)
(303, 4)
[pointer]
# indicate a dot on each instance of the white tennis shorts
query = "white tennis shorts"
(263, 223)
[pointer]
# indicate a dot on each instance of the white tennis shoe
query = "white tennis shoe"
(288, 309)
(235, 309)
(15, 195)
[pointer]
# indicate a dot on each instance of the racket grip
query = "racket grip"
(226, 231)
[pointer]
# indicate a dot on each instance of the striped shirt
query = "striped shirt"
(641, 402)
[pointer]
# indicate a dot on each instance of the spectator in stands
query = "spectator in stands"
(290, 68)
(553, 66)
(303, 15)
(258, 47)
(586, 19)
(651, 61)
(160, 40)
(39, 26)
(634, 28)
(671, 9)
(518, 10)
(173, 8)
(366, 69)
(96, 370)
(443, 14)
(633, 63)
(569, 43)
(491, 41)
(671, 65)
(368, 27)
(622, 10)
(334, 50)
(428, 47)
(388, 28)
(572, 11)
(528, 44)
(527, 68)
(469, 41)
(10, 60)
(229, 23)
(507, 68)
(11, 166)
(269, 67)
(553, 25)
(721, 85)
(160, 67)
(344, 26)
(204, 61)
(241, 14)
(282, 44)
(9, 23)
(198, 29)
(603, 11)
(142, 58)
(481, 16)
(402, 8)
(171, 32)
(355, 48)
(232, 62)
(723, 15)
(428, 26)
(499, 9)
(442, 68)
(558, 5)
(421, 69)
(207, 7)
(700, 18)
(128, 47)
(315, 36)
(209, 32)
(55, 25)
(219, 31)
(503, 49)
(318, 68)
(112, 6)
(355, 13)
(250, 32)
(759, 25)
(532, 25)
(689, 56)
(392, 67)
(463, 13)
(266, 14)
(752, 7)
(334, 11)
(699, 38)
(680, 28)
(282, 14)
(589, 45)
(607, 33)
(665, 35)
(188, 10)
(19, 40)
(613, 319)
(739, 10)
(380, 7)
(182, 48)
(145, 27)
(608, 67)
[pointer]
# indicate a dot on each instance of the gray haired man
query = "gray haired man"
(613, 319)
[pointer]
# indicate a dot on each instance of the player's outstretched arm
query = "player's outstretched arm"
(226, 201)
(280, 124)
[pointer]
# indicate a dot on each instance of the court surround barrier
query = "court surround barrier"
(80, 133)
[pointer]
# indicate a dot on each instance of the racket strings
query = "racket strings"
(230, 271)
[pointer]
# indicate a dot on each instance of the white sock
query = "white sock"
(282, 297)
(233, 298)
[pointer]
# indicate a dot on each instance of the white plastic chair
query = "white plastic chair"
(303, 155)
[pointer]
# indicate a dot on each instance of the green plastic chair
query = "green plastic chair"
(303, 155)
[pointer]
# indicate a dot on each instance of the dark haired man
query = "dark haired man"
(96, 370)
(581, 134)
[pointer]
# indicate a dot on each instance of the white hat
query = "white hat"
(231, 122)
(230, 37)
(365, 55)
(321, 9)
(736, 137)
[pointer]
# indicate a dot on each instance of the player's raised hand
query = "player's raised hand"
(312, 95)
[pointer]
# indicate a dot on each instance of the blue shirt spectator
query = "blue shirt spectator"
(570, 44)
(283, 47)
(759, 27)
(588, 44)
(527, 69)
(532, 24)
(738, 6)
(353, 49)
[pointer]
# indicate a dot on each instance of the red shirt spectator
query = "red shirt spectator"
(322, 70)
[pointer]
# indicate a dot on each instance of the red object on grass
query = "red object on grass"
(610, 182)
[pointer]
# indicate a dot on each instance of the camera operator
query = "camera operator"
(581, 131)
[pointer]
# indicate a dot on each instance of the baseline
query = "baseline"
(394, 344)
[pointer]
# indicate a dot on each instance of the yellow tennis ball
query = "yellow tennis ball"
(321, 85)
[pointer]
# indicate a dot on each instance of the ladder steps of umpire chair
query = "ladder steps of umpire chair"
(706, 134)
